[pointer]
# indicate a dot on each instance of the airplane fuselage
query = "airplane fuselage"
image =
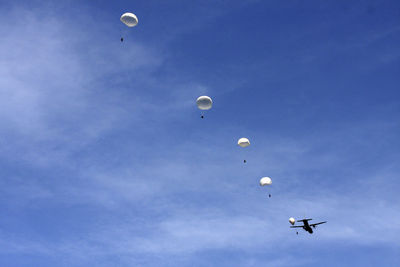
(307, 227)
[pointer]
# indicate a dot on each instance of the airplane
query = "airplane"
(306, 226)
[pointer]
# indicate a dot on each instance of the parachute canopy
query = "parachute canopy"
(292, 220)
(204, 102)
(243, 142)
(129, 19)
(265, 181)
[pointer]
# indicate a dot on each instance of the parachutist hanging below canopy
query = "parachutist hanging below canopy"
(243, 142)
(130, 20)
(266, 181)
(204, 103)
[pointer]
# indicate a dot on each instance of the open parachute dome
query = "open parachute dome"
(243, 142)
(265, 181)
(204, 102)
(129, 19)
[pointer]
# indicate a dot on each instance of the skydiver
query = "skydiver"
(122, 39)
(244, 161)
(269, 195)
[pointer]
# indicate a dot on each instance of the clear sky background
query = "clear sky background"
(105, 160)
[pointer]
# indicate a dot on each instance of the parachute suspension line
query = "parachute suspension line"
(123, 33)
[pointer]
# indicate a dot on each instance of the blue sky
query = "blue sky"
(106, 162)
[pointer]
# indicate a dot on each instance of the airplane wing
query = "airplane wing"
(314, 224)
(304, 220)
(297, 226)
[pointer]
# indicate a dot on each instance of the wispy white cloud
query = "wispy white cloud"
(226, 211)
(53, 93)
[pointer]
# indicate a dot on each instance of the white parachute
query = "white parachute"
(129, 19)
(265, 181)
(292, 220)
(243, 142)
(204, 102)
